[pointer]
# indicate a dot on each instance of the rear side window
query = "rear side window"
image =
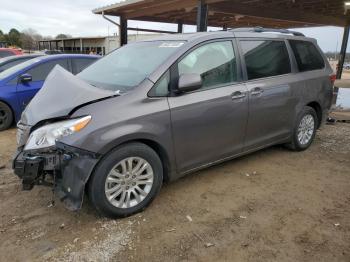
(80, 64)
(215, 62)
(40, 72)
(265, 58)
(307, 56)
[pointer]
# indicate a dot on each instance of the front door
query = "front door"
(209, 124)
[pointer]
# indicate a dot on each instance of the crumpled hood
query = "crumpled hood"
(60, 94)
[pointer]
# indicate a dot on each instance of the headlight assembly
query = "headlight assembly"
(46, 136)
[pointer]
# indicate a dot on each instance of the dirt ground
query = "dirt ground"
(273, 205)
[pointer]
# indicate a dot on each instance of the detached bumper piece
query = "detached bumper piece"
(71, 168)
(29, 170)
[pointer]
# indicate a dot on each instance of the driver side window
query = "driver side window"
(214, 62)
(40, 72)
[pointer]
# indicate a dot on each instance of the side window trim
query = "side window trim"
(70, 65)
(292, 59)
(152, 93)
(243, 64)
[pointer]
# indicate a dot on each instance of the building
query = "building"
(3, 44)
(100, 45)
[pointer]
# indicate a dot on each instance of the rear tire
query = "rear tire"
(304, 131)
(126, 180)
(6, 116)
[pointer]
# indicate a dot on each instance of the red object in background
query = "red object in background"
(4, 52)
(333, 78)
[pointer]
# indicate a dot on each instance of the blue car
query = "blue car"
(19, 84)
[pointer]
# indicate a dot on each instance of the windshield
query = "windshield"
(19, 67)
(128, 66)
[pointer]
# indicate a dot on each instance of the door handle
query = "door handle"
(238, 95)
(256, 91)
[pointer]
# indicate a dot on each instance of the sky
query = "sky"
(74, 17)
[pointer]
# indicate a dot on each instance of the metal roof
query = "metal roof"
(235, 13)
(74, 38)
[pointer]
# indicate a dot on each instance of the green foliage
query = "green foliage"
(14, 38)
(2, 36)
(63, 36)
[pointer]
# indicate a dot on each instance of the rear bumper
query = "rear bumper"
(65, 168)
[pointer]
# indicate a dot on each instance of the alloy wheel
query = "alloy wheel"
(3, 117)
(129, 182)
(306, 129)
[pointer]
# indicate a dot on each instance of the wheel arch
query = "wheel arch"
(11, 108)
(318, 109)
(153, 144)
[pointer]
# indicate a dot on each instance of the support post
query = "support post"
(180, 27)
(123, 31)
(50, 45)
(81, 46)
(202, 16)
(341, 61)
(343, 51)
(63, 46)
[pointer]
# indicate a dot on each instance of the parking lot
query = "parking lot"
(249, 209)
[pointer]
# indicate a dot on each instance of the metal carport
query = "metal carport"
(233, 13)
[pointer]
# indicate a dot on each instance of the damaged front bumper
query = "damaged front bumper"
(65, 168)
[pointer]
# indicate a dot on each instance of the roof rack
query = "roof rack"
(263, 30)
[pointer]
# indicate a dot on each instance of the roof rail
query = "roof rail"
(259, 29)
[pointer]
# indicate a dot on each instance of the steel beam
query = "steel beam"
(341, 61)
(202, 16)
(180, 27)
(150, 30)
(123, 31)
(343, 51)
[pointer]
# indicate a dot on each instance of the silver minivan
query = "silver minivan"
(153, 111)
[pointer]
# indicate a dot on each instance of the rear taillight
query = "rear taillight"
(333, 78)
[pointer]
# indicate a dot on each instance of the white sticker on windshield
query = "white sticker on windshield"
(171, 44)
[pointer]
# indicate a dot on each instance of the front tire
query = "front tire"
(304, 131)
(6, 116)
(126, 181)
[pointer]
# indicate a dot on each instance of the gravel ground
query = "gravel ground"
(273, 205)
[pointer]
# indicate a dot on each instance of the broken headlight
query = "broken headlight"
(46, 136)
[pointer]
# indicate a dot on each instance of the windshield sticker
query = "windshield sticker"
(171, 45)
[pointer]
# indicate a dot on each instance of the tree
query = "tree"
(63, 36)
(2, 36)
(29, 39)
(14, 38)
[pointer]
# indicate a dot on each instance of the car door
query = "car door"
(268, 71)
(209, 124)
(26, 90)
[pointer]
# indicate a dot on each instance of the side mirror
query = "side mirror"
(25, 78)
(189, 82)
